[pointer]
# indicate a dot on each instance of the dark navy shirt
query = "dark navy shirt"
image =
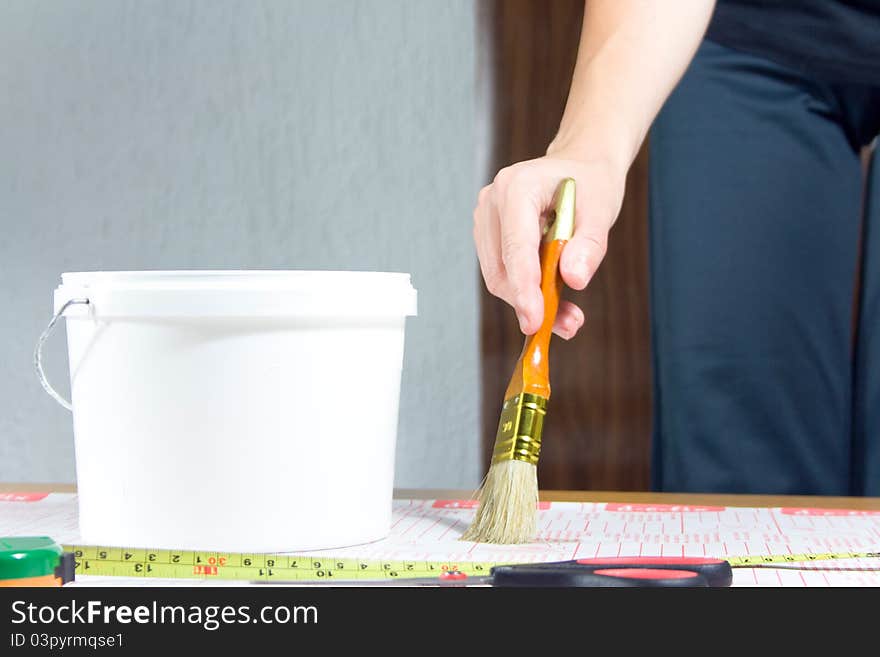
(834, 40)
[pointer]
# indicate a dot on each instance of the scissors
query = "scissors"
(598, 572)
(618, 572)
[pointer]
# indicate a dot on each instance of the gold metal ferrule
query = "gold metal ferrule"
(561, 224)
(520, 428)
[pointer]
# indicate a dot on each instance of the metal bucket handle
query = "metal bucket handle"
(38, 352)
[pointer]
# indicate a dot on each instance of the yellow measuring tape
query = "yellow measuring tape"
(131, 562)
(187, 564)
(757, 561)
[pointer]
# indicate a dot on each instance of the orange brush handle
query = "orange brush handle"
(532, 372)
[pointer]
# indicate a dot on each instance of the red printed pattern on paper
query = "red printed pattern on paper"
(22, 497)
(807, 511)
(472, 504)
(661, 508)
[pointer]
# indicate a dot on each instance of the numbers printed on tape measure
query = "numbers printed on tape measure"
(134, 562)
(759, 560)
(131, 562)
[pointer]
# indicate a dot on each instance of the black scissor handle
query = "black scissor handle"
(717, 572)
(535, 575)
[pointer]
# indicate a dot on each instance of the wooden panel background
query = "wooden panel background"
(597, 432)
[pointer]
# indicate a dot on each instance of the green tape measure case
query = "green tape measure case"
(34, 561)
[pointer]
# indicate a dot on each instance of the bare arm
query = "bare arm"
(631, 55)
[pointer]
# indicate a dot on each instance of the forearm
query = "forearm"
(631, 55)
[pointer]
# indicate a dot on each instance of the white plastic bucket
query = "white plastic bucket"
(235, 411)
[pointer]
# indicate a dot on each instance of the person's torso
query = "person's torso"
(836, 40)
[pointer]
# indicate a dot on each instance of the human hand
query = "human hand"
(508, 221)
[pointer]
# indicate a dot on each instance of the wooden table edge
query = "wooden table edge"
(633, 497)
(648, 497)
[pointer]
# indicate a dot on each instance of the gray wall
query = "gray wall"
(287, 134)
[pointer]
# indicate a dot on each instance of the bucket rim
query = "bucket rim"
(239, 293)
(260, 277)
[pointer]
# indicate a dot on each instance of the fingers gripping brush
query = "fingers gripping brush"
(508, 498)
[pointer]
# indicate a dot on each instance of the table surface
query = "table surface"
(637, 497)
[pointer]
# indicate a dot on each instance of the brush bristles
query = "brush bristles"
(508, 505)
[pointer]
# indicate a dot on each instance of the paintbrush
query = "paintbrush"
(508, 497)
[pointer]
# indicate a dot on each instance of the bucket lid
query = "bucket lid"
(238, 294)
